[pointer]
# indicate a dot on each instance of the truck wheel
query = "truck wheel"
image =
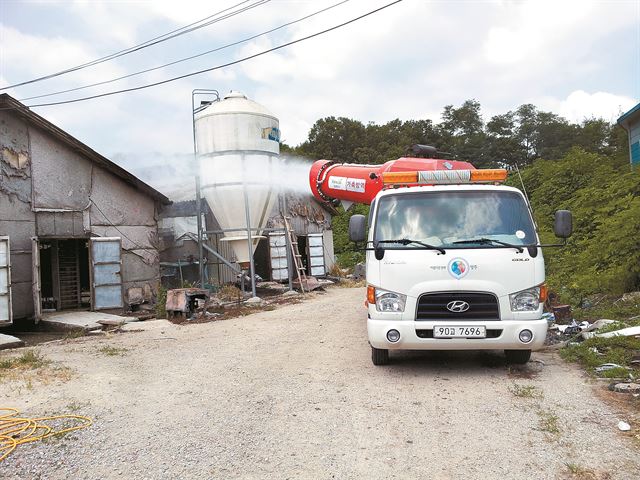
(379, 356)
(517, 356)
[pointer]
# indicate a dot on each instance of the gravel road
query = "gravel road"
(292, 393)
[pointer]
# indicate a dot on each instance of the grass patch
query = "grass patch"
(161, 302)
(525, 391)
(576, 471)
(610, 307)
(29, 360)
(596, 351)
(110, 351)
(230, 293)
(548, 422)
(31, 367)
(350, 283)
(77, 333)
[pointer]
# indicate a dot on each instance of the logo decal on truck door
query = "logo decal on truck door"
(458, 268)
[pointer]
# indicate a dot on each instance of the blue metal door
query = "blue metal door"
(106, 276)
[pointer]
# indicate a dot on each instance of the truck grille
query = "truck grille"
(482, 306)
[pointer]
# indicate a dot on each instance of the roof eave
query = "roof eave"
(9, 103)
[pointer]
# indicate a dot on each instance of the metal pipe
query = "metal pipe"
(223, 230)
(287, 241)
(248, 219)
(195, 92)
(198, 201)
(218, 256)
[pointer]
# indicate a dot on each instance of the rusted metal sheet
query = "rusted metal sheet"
(182, 300)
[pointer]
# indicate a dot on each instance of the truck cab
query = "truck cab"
(453, 267)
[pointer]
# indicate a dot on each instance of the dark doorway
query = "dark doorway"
(302, 250)
(64, 274)
(261, 259)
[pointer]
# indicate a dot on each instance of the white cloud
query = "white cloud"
(580, 105)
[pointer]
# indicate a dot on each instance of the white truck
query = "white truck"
(452, 264)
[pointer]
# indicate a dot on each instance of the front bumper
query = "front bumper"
(506, 330)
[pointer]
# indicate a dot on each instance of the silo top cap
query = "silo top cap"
(235, 103)
(234, 94)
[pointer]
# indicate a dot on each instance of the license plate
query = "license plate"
(459, 331)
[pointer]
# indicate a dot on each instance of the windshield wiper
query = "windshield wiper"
(489, 241)
(407, 241)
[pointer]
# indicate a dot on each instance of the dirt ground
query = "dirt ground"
(292, 393)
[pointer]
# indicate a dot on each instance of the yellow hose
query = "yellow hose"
(15, 430)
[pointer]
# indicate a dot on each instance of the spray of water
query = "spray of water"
(173, 175)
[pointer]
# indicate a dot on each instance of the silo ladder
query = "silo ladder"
(297, 258)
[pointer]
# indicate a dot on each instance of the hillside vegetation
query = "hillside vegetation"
(581, 167)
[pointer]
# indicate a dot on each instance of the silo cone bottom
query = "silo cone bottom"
(241, 249)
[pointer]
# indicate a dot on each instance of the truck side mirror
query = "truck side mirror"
(357, 225)
(563, 225)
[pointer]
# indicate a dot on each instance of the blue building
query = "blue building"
(630, 121)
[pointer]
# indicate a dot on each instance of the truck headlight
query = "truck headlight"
(389, 301)
(526, 300)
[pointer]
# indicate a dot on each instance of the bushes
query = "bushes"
(603, 255)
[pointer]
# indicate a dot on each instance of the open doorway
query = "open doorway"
(64, 274)
(303, 252)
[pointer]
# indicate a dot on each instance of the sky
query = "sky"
(579, 59)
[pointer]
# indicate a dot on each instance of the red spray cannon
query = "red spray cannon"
(353, 183)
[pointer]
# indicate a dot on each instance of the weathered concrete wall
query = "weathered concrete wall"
(47, 189)
(17, 220)
(61, 177)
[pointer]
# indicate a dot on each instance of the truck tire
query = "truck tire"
(517, 356)
(379, 356)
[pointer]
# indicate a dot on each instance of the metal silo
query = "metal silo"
(238, 143)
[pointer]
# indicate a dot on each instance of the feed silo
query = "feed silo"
(238, 143)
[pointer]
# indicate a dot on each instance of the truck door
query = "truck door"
(106, 276)
(315, 254)
(278, 256)
(6, 312)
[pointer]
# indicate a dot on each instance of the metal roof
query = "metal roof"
(632, 114)
(9, 103)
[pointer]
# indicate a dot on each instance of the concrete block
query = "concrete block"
(86, 321)
(150, 325)
(20, 233)
(22, 299)
(21, 268)
(135, 295)
(8, 341)
(13, 209)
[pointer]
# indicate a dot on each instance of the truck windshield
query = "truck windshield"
(445, 217)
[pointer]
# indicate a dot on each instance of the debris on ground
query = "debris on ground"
(624, 426)
(625, 332)
(625, 387)
(183, 302)
(562, 313)
(605, 367)
(309, 284)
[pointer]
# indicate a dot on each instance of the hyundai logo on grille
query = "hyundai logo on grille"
(458, 306)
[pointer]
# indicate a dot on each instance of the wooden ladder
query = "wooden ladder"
(297, 258)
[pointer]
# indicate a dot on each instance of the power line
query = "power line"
(162, 38)
(187, 58)
(235, 62)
